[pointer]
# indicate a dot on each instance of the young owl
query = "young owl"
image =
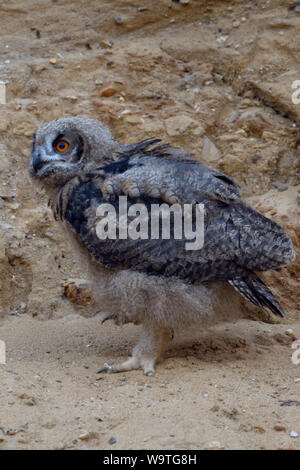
(155, 281)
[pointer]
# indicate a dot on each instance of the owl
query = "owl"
(155, 281)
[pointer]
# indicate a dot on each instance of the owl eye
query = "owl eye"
(62, 146)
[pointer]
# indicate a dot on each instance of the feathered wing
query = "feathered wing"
(164, 172)
(237, 238)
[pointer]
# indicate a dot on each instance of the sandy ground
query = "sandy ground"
(228, 390)
(213, 75)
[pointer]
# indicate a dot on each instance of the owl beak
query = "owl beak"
(39, 159)
(36, 161)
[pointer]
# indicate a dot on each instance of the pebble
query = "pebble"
(31, 401)
(112, 440)
(279, 427)
(49, 234)
(180, 125)
(53, 61)
(294, 434)
(222, 38)
(236, 24)
(109, 91)
(86, 436)
(215, 408)
(22, 307)
(215, 445)
(71, 97)
(107, 44)
(118, 20)
(289, 331)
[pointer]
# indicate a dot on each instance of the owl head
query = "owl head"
(63, 148)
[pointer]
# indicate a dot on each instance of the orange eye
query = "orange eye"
(62, 146)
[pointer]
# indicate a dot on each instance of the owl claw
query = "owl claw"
(150, 373)
(107, 368)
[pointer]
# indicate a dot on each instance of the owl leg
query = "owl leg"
(148, 351)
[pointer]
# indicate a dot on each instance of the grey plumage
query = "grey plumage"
(238, 240)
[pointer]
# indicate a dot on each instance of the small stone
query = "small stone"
(289, 332)
(109, 91)
(49, 234)
(233, 413)
(112, 440)
(210, 153)
(236, 24)
(106, 44)
(78, 291)
(259, 429)
(71, 98)
(294, 434)
(31, 401)
(53, 61)
(215, 445)
(23, 441)
(279, 427)
(22, 307)
(181, 124)
(119, 20)
(86, 436)
(215, 408)
(222, 38)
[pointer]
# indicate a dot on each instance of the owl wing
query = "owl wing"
(237, 240)
(164, 172)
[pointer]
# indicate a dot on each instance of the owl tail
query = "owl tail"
(253, 289)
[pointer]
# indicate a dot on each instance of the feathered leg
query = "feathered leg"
(148, 351)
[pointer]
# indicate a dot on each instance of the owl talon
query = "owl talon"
(150, 373)
(107, 368)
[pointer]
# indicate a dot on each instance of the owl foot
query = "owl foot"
(132, 363)
(148, 351)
